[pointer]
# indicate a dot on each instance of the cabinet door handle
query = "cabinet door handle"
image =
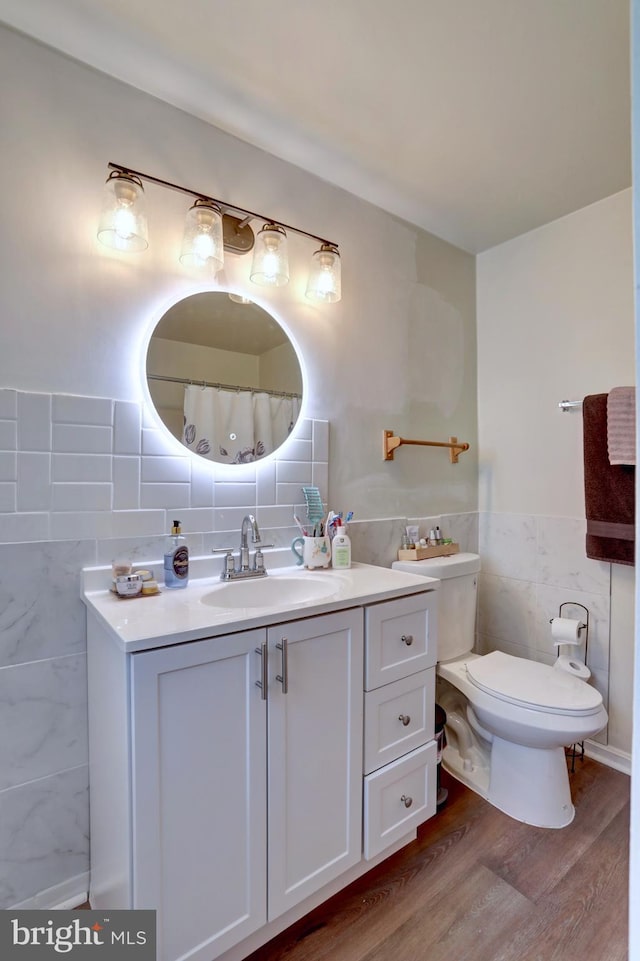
(262, 683)
(284, 677)
(406, 800)
(405, 718)
(407, 639)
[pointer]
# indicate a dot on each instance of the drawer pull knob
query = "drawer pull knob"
(406, 800)
(405, 718)
(407, 639)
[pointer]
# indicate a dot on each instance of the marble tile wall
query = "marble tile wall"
(83, 480)
(377, 541)
(531, 565)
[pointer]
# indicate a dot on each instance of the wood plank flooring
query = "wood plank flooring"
(478, 886)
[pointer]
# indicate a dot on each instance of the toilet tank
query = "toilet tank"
(457, 598)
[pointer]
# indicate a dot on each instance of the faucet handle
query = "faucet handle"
(229, 566)
(258, 559)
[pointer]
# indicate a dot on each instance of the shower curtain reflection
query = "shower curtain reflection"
(236, 426)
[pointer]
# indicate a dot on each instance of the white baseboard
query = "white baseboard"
(65, 896)
(611, 756)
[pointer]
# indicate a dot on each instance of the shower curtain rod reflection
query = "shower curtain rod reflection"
(236, 387)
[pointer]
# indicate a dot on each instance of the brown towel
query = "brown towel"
(621, 425)
(609, 491)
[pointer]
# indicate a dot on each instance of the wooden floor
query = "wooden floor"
(478, 886)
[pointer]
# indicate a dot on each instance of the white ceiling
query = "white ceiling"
(475, 119)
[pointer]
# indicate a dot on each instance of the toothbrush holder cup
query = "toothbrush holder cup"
(312, 551)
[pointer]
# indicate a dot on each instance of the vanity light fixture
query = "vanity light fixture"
(213, 227)
(202, 242)
(123, 221)
(270, 266)
(324, 284)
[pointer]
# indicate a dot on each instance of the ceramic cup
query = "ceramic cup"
(316, 551)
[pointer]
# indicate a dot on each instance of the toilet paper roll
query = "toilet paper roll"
(565, 630)
(571, 666)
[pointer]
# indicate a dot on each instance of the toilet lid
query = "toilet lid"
(536, 686)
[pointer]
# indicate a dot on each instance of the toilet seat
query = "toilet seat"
(533, 685)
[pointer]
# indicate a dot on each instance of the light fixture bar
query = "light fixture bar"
(223, 204)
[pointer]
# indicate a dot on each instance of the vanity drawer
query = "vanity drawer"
(401, 638)
(398, 718)
(398, 798)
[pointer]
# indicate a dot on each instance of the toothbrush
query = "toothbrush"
(300, 526)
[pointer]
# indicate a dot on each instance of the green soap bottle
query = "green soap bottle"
(341, 550)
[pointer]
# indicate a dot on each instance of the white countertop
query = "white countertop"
(175, 616)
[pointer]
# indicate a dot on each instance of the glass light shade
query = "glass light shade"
(202, 244)
(324, 285)
(270, 266)
(123, 222)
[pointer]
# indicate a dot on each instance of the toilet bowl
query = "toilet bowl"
(525, 713)
(508, 718)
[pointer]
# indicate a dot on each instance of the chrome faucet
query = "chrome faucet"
(244, 569)
(248, 520)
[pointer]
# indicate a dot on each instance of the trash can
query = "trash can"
(441, 740)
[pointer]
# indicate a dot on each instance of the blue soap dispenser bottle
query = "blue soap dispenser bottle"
(176, 559)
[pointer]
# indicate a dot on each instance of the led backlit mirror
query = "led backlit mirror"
(224, 378)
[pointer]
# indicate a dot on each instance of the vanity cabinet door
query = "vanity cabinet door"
(199, 797)
(315, 754)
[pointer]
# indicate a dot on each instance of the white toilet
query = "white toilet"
(508, 718)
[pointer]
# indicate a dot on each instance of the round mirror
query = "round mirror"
(224, 377)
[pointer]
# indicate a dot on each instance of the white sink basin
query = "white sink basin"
(271, 590)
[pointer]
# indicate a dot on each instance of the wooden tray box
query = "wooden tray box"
(420, 553)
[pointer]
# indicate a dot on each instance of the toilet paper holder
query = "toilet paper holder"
(576, 750)
(581, 627)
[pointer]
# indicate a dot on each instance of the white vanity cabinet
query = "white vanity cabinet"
(400, 754)
(227, 776)
(239, 773)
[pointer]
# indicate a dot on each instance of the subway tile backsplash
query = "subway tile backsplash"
(87, 467)
(34, 421)
(8, 466)
(126, 427)
(8, 404)
(69, 409)
(8, 435)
